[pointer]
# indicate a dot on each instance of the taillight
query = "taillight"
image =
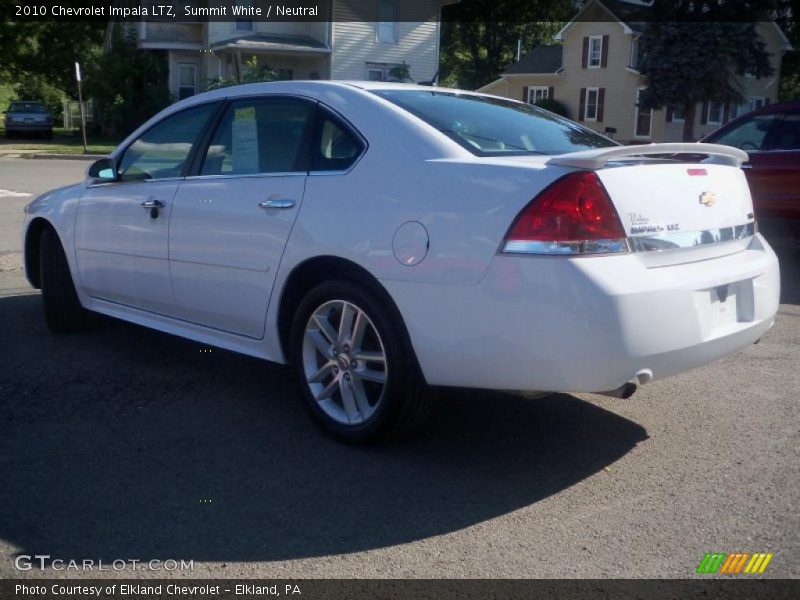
(574, 215)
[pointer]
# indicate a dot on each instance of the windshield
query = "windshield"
(27, 107)
(496, 127)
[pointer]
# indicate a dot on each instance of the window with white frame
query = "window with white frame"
(644, 118)
(678, 113)
(387, 21)
(187, 80)
(590, 112)
(595, 51)
(538, 92)
(380, 71)
(243, 24)
(715, 110)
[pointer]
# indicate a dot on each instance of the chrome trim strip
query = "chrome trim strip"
(691, 239)
(567, 248)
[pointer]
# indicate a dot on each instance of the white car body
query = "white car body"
(426, 218)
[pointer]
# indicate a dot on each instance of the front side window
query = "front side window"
(748, 135)
(163, 150)
(595, 51)
(387, 21)
(334, 147)
(591, 104)
(260, 135)
(489, 126)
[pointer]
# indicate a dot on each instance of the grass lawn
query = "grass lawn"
(63, 142)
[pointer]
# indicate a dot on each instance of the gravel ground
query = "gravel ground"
(124, 443)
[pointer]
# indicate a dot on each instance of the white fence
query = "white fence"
(72, 113)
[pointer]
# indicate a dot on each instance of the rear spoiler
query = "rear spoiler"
(596, 159)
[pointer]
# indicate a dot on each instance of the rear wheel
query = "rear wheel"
(62, 309)
(355, 367)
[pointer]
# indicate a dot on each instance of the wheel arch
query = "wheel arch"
(315, 270)
(33, 242)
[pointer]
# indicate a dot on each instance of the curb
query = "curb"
(41, 156)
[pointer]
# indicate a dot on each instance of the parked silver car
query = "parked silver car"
(28, 117)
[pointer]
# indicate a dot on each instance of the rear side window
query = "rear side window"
(164, 148)
(261, 135)
(494, 126)
(750, 134)
(787, 136)
(334, 146)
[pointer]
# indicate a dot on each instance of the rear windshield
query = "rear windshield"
(494, 126)
(27, 107)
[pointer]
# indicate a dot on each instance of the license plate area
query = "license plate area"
(724, 308)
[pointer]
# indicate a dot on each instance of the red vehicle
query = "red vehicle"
(771, 136)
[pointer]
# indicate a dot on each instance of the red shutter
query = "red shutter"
(604, 53)
(669, 114)
(766, 101)
(585, 55)
(582, 104)
(525, 93)
(601, 96)
(704, 114)
(551, 92)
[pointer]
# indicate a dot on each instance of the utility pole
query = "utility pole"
(519, 49)
(80, 103)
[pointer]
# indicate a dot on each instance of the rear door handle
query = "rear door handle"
(280, 203)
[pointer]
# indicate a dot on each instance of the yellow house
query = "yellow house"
(592, 70)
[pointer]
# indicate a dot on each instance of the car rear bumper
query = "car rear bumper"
(589, 324)
(28, 127)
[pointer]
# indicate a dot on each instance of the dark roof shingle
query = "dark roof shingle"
(543, 59)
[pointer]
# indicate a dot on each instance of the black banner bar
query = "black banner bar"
(365, 589)
(510, 11)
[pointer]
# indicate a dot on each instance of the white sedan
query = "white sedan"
(385, 239)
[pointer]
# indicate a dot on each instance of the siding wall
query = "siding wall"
(621, 84)
(355, 43)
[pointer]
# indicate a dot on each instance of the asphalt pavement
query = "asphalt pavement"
(123, 443)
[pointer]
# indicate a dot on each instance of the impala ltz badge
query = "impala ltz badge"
(708, 198)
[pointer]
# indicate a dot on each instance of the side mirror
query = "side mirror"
(104, 170)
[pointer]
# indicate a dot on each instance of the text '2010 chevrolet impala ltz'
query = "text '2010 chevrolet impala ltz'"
(384, 239)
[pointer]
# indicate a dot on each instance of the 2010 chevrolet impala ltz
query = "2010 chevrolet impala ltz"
(387, 238)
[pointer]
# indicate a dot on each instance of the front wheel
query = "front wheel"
(355, 367)
(62, 309)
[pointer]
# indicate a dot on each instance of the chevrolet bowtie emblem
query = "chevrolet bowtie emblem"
(708, 198)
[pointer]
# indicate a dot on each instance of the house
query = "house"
(592, 71)
(343, 47)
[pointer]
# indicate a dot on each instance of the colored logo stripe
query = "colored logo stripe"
(758, 563)
(732, 564)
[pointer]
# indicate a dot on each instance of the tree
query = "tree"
(698, 54)
(42, 56)
(480, 37)
(252, 72)
(401, 73)
(128, 85)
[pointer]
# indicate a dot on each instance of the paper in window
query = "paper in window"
(245, 141)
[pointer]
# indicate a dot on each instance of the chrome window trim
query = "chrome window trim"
(247, 175)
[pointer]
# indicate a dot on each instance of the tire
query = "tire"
(354, 405)
(62, 309)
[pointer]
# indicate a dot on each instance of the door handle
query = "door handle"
(281, 203)
(153, 206)
(746, 166)
(152, 203)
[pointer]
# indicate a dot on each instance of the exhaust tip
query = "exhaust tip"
(624, 391)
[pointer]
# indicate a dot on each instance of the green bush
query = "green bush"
(554, 106)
